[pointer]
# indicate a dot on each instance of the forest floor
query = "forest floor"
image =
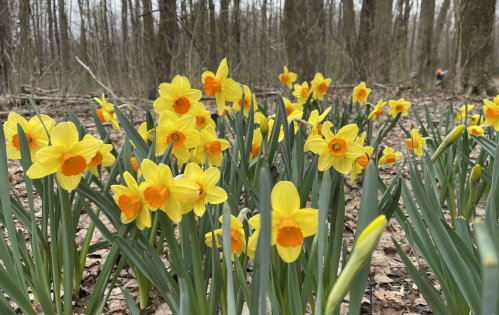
(390, 289)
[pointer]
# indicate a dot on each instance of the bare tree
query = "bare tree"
(149, 48)
(64, 46)
(5, 44)
(382, 40)
(437, 34)
(364, 43)
(425, 36)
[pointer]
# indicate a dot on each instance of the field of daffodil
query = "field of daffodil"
(250, 204)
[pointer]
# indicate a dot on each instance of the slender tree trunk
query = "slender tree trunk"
(213, 36)
(224, 26)
(364, 43)
(65, 49)
(382, 39)
(413, 38)
(83, 32)
(51, 30)
(425, 36)
(25, 38)
(350, 35)
(316, 32)
(292, 34)
(263, 41)
(437, 35)
(148, 50)
(457, 47)
(5, 44)
(166, 33)
(124, 35)
(237, 29)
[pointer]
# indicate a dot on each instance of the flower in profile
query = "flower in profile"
(256, 143)
(225, 89)
(181, 131)
(377, 111)
(298, 114)
(249, 98)
(177, 96)
(106, 113)
(362, 161)
(319, 86)
(161, 192)
(315, 121)
(227, 111)
(301, 92)
(67, 156)
(476, 130)
(389, 157)
(399, 107)
(210, 144)
(205, 183)
(290, 224)
(360, 93)
(338, 150)
(462, 114)
(103, 157)
(288, 78)
(476, 119)
(491, 110)
(143, 131)
(291, 107)
(132, 203)
(203, 116)
(416, 142)
(237, 238)
(33, 129)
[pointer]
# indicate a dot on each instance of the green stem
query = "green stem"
(83, 254)
(68, 244)
(143, 288)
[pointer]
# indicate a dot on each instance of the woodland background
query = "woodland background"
(131, 46)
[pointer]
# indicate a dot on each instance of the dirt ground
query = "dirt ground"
(390, 289)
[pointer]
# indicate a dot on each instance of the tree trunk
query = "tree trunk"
(51, 30)
(224, 26)
(413, 38)
(237, 29)
(166, 33)
(65, 52)
(437, 35)
(426, 75)
(5, 44)
(148, 49)
(263, 41)
(293, 20)
(400, 38)
(124, 34)
(26, 60)
(364, 42)
(382, 40)
(83, 33)
(350, 35)
(213, 36)
(315, 40)
(476, 47)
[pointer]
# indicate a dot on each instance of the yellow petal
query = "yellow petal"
(308, 220)
(65, 135)
(210, 177)
(215, 195)
(172, 209)
(68, 182)
(193, 172)
(285, 198)
(289, 254)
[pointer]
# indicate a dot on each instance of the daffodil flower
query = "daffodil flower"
(248, 99)
(491, 110)
(107, 113)
(130, 199)
(476, 119)
(209, 143)
(399, 107)
(177, 97)
(205, 183)
(301, 92)
(416, 142)
(256, 143)
(377, 111)
(360, 93)
(203, 116)
(476, 130)
(290, 224)
(288, 77)
(462, 114)
(319, 86)
(237, 238)
(361, 162)
(33, 129)
(389, 157)
(298, 114)
(67, 156)
(291, 107)
(314, 120)
(338, 150)
(103, 157)
(225, 89)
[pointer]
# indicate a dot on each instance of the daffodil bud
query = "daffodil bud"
(475, 175)
(477, 172)
(264, 126)
(451, 138)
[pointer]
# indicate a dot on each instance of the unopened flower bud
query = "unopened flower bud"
(451, 138)
(264, 126)
(477, 172)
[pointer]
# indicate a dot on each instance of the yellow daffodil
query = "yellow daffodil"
(130, 199)
(225, 89)
(476, 130)
(361, 162)
(491, 110)
(288, 78)
(377, 111)
(389, 157)
(135, 164)
(67, 156)
(314, 120)
(177, 96)
(256, 143)
(476, 119)
(203, 116)
(106, 113)
(399, 107)
(338, 150)
(103, 157)
(416, 142)
(319, 86)
(205, 183)
(290, 107)
(301, 92)
(298, 114)
(237, 238)
(248, 99)
(143, 131)
(180, 131)
(360, 93)
(462, 114)
(161, 192)
(290, 224)
(33, 129)
(210, 144)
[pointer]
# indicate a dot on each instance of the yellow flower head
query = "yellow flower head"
(143, 131)
(67, 156)
(476, 119)
(361, 162)
(389, 157)
(291, 107)
(314, 121)
(491, 111)
(103, 157)
(210, 144)
(416, 142)
(290, 224)
(301, 92)
(462, 114)
(476, 130)
(319, 86)
(360, 93)
(288, 78)
(33, 129)
(106, 113)
(180, 131)
(256, 143)
(338, 150)
(161, 192)
(399, 107)
(205, 183)
(203, 116)
(248, 99)
(377, 111)
(224, 89)
(237, 238)
(130, 200)
(177, 97)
